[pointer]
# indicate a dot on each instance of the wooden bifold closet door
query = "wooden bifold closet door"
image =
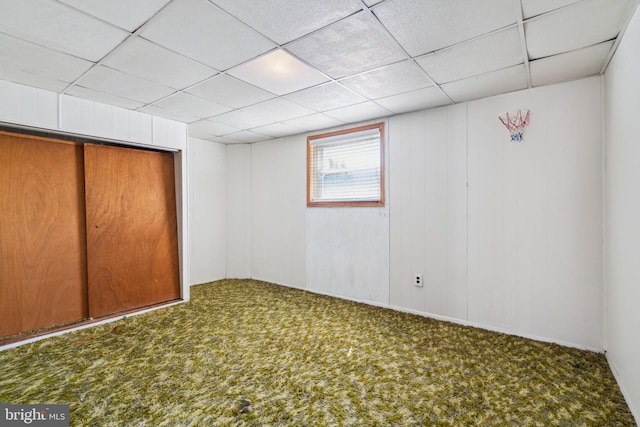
(43, 279)
(132, 244)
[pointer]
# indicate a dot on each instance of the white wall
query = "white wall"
(348, 248)
(37, 108)
(239, 211)
(622, 213)
(535, 215)
(319, 249)
(28, 107)
(520, 249)
(507, 235)
(348, 252)
(337, 251)
(428, 199)
(208, 210)
(278, 199)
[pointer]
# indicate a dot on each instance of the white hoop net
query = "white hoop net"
(515, 123)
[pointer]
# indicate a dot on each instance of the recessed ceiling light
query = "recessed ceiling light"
(279, 73)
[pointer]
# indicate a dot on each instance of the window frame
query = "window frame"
(347, 203)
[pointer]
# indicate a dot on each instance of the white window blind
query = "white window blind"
(347, 167)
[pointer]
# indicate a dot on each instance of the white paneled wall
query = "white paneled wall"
(27, 106)
(348, 248)
(535, 215)
(278, 188)
(348, 252)
(622, 225)
(24, 106)
(168, 133)
(507, 235)
(342, 252)
(428, 199)
(208, 210)
(239, 210)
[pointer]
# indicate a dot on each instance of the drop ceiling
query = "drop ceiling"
(242, 71)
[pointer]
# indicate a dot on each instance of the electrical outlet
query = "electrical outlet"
(417, 279)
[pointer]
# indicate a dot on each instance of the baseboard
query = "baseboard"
(275, 282)
(499, 330)
(462, 322)
(623, 390)
(89, 324)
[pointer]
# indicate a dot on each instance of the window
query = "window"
(346, 168)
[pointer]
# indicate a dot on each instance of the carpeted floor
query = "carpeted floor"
(306, 360)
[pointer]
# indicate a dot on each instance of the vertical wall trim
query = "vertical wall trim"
(59, 112)
(605, 268)
(387, 199)
(466, 167)
(250, 208)
(185, 258)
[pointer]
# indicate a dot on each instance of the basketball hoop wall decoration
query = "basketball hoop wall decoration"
(515, 122)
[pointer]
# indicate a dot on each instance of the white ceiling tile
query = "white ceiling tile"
(190, 59)
(493, 52)
(359, 112)
(147, 60)
(423, 26)
(178, 116)
(137, 12)
(169, 114)
(489, 84)
(353, 45)
(416, 100)
(532, 8)
(26, 78)
(203, 136)
(389, 80)
(206, 33)
(104, 98)
(227, 90)
(284, 20)
(60, 27)
(199, 135)
(240, 119)
(278, 109)
(325, 97)
(313, 122)
(277, 130)
(248, 136)
(107, 80)
(209, 128)
(569, 66)
(225, 140)
(279, 73)
(584, 24)
(19, 55)
(185, 103)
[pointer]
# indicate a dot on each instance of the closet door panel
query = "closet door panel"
(132, 244)
(42, 234)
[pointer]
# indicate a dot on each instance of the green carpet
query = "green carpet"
(306, 360)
